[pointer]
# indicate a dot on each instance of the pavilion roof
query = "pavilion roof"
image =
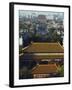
(44, 48)
(45, 69)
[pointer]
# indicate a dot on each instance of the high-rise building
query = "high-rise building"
(41, 25)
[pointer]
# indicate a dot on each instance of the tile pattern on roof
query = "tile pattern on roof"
(45, 69)
(44, 47)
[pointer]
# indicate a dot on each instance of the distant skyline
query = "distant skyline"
(48, 14)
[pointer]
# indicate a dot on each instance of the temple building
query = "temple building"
(42, 58)
(44, 71)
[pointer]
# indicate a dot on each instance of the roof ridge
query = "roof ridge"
(46, 64)
(45, 42)
(60, 45)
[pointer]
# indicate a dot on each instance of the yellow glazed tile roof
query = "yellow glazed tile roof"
(44, 48)
(45, 69)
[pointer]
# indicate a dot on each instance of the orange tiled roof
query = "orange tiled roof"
(45, 69)
(44, 47)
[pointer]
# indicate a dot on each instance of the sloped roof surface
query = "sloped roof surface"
(45, 48)
(45, 69)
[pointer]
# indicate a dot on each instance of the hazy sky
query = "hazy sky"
(36, 13)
